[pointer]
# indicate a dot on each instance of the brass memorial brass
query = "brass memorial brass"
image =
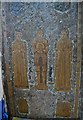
(63, 109)
(63, 63)
(19, 63)
(22, 105)
(40, 48)
(10, 91)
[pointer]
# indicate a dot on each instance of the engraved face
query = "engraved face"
(40, 47)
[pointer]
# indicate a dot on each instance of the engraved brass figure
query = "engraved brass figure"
(40, 48)
(19, 63)
(63, 63)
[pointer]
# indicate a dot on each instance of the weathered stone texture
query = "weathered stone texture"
(28, 18)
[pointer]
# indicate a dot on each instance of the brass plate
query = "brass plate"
(19, 63)
(40, 48)
(63, 63)
(22, 105)
(63, 109)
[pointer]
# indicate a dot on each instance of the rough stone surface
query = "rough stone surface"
(28, 18)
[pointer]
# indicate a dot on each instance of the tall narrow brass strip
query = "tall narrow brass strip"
(78, 67)
(10, 91)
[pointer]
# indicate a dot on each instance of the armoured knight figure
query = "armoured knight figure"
(40, 48)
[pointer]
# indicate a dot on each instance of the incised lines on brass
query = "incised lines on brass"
(22, 105)
(40, 48)
(63, 63)
(63, 109)
(19, 63)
